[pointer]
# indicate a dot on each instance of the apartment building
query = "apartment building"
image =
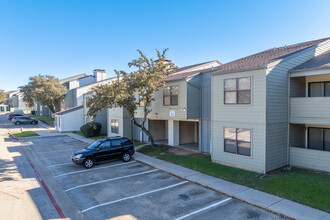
(177, 118)
(76, 99)
(271, 109)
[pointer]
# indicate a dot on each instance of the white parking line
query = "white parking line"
(109, 180)
(82, 171)
(131, 197)
(59, 164)
(55, 151)
(203, 209)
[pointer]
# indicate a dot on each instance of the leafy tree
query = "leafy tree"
(45, 89)
(146, 79)
(3, 97)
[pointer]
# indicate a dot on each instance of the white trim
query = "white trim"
(82, 171)
(203, 209)
(131, 197)
(109, 180)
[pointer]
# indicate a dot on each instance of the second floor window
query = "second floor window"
(170, 96)
(237, 91)
(319, 89)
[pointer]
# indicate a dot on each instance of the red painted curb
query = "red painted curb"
(56, 206)
(50, 195)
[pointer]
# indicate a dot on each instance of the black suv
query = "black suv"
(104, 149)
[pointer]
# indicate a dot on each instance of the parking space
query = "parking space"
(115, 188)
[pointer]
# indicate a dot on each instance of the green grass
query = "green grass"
(19, 134)
(138, 143)
(45, 118)
(94, 138)
(303, 186)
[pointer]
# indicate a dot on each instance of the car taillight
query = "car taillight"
(133, 146)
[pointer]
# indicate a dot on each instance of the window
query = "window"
(115, 143)
(105, 144)
(170, 96)
(115, 126)
(237, 141)
(319, 89)
(237, 91)
(319, 139)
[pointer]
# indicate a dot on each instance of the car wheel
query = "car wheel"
(17, 123)
(33, 122)
(126, 157)
(88, 163)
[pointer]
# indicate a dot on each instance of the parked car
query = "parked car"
(12, 115)
(18, 111)
(104, 149)
(24, 120)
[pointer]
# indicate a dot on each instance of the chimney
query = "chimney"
(99, 74)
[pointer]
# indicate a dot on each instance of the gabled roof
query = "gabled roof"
(11, 92)
(183, 72)
(68, 79)
(69, 110)
(260, 60)
(319, 62)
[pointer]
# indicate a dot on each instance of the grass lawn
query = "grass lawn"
(138, 143)
(303, 186)
(45, 118)
(94, 138)
(19, 134)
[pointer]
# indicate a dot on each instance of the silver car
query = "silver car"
(24, 120)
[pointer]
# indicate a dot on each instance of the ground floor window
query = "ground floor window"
(115, 126)
(237, 141)
(319, 139)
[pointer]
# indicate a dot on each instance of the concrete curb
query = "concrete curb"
(257, 198)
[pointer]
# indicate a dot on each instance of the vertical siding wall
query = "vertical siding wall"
(163, 111)
(205, 113)
(240, 116)
(122, 116)
(193, 97)
(277, 104)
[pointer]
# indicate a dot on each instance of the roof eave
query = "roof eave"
(235, 71)
(309, 69)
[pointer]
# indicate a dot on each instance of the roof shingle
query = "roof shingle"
(320, 62)
(266, 57)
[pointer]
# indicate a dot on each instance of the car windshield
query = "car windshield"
(93, 145)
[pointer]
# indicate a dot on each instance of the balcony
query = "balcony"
(310, 110)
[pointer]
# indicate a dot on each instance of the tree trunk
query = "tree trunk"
(52, 109)
(151, 139)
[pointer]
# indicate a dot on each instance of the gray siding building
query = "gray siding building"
(258, 112)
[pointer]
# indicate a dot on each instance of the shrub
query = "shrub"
(33, 112)
(91, 129)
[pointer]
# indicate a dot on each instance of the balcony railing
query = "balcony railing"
(310, 110)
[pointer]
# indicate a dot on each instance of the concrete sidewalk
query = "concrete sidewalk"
(261, 199)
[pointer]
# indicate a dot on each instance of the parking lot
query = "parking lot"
(132, 189)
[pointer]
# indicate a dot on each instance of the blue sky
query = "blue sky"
(69, 37)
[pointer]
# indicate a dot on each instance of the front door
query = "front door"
(103, 151)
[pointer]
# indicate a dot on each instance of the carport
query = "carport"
(158, 130)
(188, 131)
